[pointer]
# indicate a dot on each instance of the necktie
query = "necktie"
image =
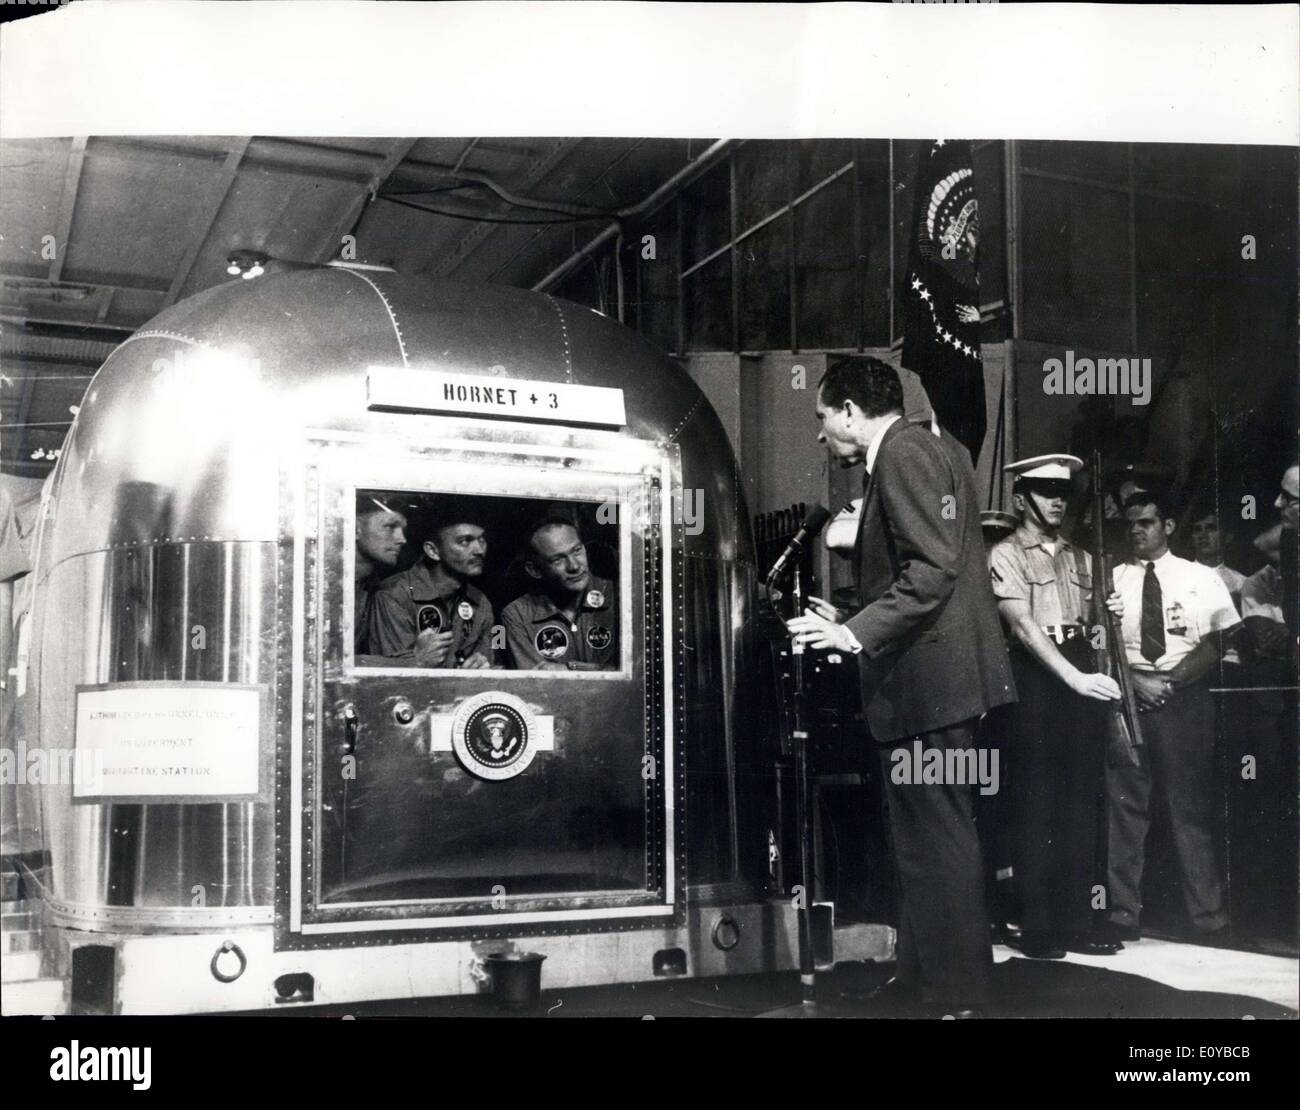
(1153, 616)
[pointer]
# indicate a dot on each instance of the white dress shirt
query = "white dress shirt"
(1234, 580)
(1195, 600)
(873, 448)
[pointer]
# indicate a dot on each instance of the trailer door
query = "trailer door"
(429, 802)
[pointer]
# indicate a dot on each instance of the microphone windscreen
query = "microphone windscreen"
(816, 520)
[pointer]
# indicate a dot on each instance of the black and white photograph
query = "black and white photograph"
(830, 567)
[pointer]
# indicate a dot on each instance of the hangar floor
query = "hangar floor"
(1150, 979)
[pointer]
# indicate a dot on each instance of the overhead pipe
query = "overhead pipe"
(517, 201)
(647, 207)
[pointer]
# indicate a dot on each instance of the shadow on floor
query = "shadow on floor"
(1021, 989)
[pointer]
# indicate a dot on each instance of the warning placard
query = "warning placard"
(173, 740)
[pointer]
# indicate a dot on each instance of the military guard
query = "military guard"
(432, 615)
(570, 621)
(1043, 585)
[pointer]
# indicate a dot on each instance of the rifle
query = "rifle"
(1122, 725)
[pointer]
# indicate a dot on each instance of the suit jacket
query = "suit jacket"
(933, 654)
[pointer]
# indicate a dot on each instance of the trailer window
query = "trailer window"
(452, 582)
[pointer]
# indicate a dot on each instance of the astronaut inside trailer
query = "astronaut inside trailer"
(436, 587)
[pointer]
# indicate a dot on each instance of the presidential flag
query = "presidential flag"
(940, 295)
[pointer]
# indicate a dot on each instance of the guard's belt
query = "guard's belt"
(1063, 632)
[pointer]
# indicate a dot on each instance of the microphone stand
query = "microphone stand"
(799, 719)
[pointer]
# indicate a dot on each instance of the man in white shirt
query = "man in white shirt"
(1207, 543)
(1175, 614)
(1208, 546)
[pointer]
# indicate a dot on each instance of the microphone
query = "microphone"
(812, 525)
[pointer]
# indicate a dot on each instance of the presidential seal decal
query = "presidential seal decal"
(552, 642)
(491, 735)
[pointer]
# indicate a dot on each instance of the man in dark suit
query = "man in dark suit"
(932, 661)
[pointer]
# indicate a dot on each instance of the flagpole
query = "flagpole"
(995, 466)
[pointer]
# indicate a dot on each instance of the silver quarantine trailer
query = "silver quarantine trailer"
(255, 815)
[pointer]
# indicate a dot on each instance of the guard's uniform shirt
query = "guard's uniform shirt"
(1057, 586)
(1196, 604)
(410, 602)
(537, 632)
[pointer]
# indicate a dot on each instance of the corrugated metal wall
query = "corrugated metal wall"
(787, 245)
(1129, 249)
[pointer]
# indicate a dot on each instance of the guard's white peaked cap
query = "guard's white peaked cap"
(1045, 466)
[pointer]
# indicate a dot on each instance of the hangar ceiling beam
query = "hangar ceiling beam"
(464, 155)
(394, 158)
(23, 320)
(531, 242)
(558, 151)
(67, 206)
(666, 192)
(217, 193)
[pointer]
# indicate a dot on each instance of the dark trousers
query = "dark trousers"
(1057, 789)
(995, 816)
(943, 927)
(1178, 762)
(1262, 838)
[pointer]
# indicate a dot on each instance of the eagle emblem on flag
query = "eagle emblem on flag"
(940, 295)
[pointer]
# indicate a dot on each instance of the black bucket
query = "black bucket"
(516, 979)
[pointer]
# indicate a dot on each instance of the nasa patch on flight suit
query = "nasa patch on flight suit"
(465, 611)
(429, 618)
(492, 735)
(599, 637)
(595, 599)
(552, 642)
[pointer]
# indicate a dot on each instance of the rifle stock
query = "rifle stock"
(1123, 727)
